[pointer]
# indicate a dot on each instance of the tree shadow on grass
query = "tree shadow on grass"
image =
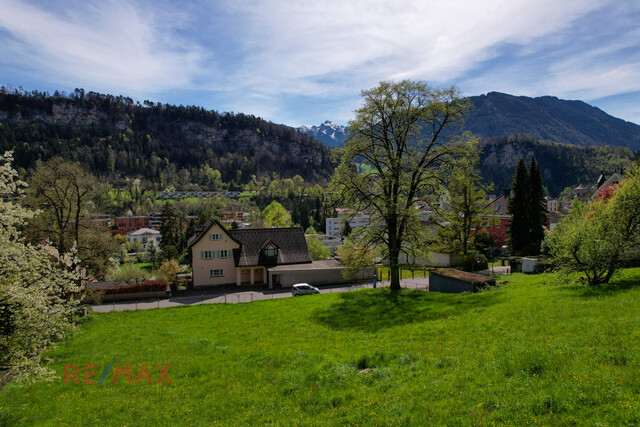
(615, 286)
(373, 310)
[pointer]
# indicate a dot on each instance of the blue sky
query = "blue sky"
(303, 62)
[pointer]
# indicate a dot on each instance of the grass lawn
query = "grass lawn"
(529, 353)
(405, 272)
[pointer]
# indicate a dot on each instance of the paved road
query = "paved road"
(232, 294)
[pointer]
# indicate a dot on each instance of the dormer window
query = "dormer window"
(271, 252)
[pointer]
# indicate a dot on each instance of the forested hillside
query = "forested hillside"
(168, 145)
(561, 165)
(164, 144)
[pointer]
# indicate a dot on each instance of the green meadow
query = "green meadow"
(529, 352)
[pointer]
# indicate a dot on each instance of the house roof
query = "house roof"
(291, 244)
(463, 276)
(498, 205)
(202, 230)
(143, 231)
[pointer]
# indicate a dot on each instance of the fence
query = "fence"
(239, 297)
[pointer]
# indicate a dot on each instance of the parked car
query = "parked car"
(304, 289)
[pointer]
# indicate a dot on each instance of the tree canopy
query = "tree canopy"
(593, 238)
(37, 291)
(275, 215)
(466, 204)
(409, 134)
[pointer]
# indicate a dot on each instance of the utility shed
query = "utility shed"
(449, 280)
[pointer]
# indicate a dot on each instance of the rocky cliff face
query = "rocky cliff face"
(96, 129)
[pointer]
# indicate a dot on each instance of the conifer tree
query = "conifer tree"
(528, 209)
(537, 209)
(517, 206)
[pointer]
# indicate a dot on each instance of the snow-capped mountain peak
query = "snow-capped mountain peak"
(328, 133)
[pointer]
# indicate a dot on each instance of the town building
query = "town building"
(274, 257)
(145, 236)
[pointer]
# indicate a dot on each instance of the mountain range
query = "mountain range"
(572, 141)
(545, 118)
(166, 145)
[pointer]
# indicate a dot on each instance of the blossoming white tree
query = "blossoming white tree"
(37, 292)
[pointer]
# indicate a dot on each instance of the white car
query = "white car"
(304, 289)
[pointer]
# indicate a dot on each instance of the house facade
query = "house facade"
(334, 226)
(145, 236)
(244, 257)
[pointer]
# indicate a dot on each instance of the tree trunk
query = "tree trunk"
(394, 269)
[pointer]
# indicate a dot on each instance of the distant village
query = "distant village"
(227, 250)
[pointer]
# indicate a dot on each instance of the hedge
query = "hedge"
(149, 286)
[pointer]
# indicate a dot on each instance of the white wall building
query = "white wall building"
(336, 225)
(144, 236)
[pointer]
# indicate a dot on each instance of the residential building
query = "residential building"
(126, 224)
(145, 236)
(606, 184)
(272, 257)
(334, 226)
(222, 256)
(497, 222)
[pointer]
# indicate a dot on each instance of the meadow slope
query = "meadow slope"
(531, 352)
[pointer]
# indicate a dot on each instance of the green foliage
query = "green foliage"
(317, 250)
(168, 270)
(594, 238)
(37, 291)
(406, 131)
(174, 230)
(128, 274)
(62, 190)
(152, 253)
(466, 197)
(483, 242)
(517, 206)
(346, 229)
(537, 207)
(355, 257)
(275, 215)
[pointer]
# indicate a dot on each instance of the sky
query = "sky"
(304, 62)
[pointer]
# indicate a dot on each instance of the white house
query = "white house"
(144, 236)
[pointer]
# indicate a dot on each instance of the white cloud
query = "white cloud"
(259, 56)
(109, 45)
(295, 44)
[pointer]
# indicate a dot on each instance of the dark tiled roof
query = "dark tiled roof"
(291, 244)
(498, 206)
